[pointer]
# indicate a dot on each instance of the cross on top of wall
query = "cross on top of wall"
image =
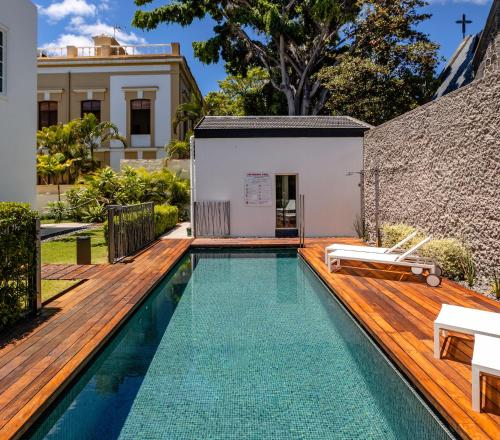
(464, 22)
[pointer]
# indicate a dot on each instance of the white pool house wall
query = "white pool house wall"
(322, 164)
(18, 25)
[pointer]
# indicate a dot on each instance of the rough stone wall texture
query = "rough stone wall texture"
(440, 170)
(490, 61)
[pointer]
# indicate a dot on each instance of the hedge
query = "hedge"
(18, 263)
(166, 218)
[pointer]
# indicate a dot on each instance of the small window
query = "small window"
(3, 67)
(140, 116)
(92, 106)
(47, 114)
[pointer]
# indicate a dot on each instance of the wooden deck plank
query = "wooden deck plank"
(395, 307)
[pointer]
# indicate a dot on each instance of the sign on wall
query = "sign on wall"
(258, 189)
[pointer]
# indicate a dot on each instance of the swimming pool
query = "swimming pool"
(237, 345)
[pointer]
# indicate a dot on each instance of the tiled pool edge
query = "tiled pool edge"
(24, 426)
(405, 376)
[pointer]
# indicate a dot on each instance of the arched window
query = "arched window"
(140, 116)
(47, 114)
(92, 106)
(3, 67)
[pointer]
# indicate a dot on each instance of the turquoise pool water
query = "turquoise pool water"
(240, 345)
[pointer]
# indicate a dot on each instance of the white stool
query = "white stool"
(486, 359)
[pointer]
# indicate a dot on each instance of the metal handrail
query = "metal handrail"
(116, 50)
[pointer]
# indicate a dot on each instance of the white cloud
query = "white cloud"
(79, 26)
(79, 33)
(59, 10)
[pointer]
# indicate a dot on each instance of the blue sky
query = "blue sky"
(64, 22)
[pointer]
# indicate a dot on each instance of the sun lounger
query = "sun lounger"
(375, 250)
(464, 320)
(485, 360)
(407, 259)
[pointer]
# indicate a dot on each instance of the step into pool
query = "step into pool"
(240, 345)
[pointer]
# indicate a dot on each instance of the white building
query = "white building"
(258, 167)
(18, 34)
(138, 88)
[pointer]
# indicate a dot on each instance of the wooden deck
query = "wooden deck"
(39, 358)
(396, 308)
(71, 271)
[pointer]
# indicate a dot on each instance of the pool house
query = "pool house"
(270, 176)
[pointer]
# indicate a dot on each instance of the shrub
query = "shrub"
(18, 257)
(177, 149)
(394, 233)
(468, 267)
(451, 254)
(94, 214)
(57, 210)
(359, 227)
(106, 187)
(166, 217)
(495, 285)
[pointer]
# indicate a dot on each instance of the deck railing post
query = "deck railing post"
(38, 276)
(111, 234)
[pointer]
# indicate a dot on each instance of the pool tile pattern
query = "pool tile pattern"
(258, 349)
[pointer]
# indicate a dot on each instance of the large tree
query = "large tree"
(288, 38)
(250, 94)
(388, 66)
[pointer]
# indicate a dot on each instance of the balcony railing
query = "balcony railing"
(107, 51)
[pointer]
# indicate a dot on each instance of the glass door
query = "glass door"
(286, 211)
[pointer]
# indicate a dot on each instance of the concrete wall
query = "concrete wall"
(332, 199)
(18, 21)
(440, 169)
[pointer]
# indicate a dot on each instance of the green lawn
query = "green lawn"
(63, 251)
(51, 288)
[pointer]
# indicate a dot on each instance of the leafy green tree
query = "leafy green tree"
(287, 38)
(54, 165)
(249, 94)
(388, 67)
(91, 134)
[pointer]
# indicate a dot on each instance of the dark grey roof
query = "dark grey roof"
(279, 126)
(459, 70)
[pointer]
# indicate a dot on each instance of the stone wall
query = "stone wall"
(490, 54)
(179, 167)
(440, 170)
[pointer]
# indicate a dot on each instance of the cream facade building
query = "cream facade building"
(18, 33)
(138, 88)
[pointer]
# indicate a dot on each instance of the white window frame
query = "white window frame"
(3, 72)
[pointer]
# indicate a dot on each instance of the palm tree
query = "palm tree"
(92, 134)
(192, 110)
(54, 165)
(62, 139)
